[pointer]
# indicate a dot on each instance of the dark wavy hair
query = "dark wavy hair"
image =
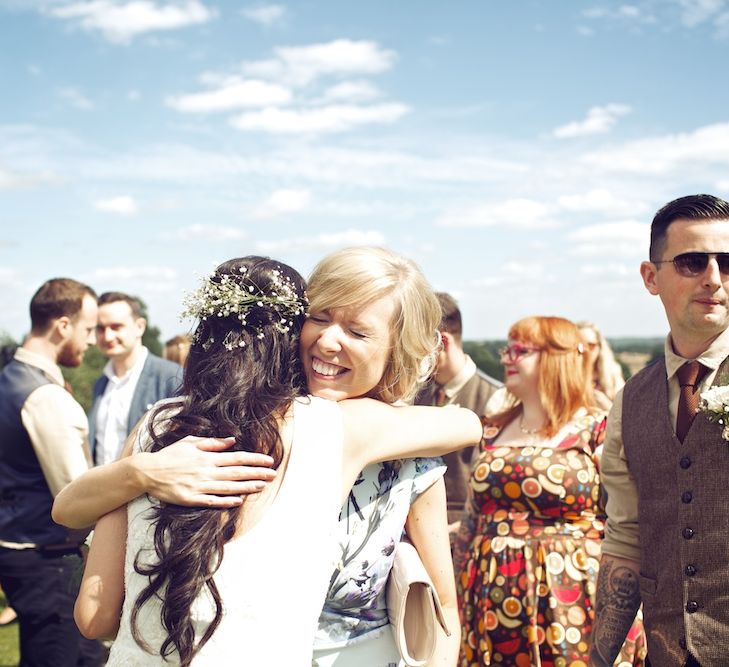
(691, 207)
(236, 390)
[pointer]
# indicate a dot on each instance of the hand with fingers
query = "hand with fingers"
(196, 471)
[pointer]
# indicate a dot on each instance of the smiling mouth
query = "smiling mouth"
(709, 302)
(325, 369)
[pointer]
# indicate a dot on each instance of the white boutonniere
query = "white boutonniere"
(715, 403)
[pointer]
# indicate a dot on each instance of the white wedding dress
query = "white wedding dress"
(273, 578)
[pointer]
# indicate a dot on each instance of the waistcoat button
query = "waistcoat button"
(685, 462)
(682, 643)
(687, 497)
(687, 533)
(690, 570)
(692, 606)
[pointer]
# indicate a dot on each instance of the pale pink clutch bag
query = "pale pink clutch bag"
(413, 607)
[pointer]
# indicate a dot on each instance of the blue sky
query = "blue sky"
(517, 151)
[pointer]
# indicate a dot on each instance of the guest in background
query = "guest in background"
(177, 348)
(456, 381)
(43, 446)
(607, 374)
(134, 379)
(528, 548)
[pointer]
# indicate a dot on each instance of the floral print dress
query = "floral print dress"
(528, 553)
(371, 524)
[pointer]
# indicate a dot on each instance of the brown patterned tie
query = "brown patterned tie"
(689, 377)
(440, 395)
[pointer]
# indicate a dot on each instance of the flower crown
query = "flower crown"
(222, 296)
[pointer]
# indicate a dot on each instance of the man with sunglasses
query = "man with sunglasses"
(665, 466)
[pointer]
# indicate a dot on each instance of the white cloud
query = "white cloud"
(352, 91)
(10, 181)
(10, 277)
(595, 13)
(209, 233)
(234, 93)
(265, 15)
(704, 146)
(121, 205)
(609, 269)
(512, 272)
(284, 201)
(695, 12)
(625, 230)
(75, 98)
(133, 273)
(301, 65)
(599, 120)
(120, 22)
(324, 241)
(334, 118)
(600, 201)
(611, 240)
(722, 25)
(520, 213)
(632, 13)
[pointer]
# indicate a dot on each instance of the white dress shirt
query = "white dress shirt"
(113, 413)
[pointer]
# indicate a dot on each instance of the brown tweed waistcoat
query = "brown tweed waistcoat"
(683, 507)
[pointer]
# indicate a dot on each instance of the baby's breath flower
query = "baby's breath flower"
(235, 295)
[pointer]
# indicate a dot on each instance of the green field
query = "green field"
(8, 642)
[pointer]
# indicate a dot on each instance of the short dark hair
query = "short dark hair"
(450, 320)
(691, 207)
(58, 297)
(132, 301)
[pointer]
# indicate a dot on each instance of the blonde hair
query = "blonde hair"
(563, 383)
(177, 349)
(607, 374)
(360, 275)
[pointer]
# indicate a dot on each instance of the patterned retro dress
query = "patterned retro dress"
(529, 551)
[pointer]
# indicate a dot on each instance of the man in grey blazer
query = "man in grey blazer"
(456, 381)
(133, 380)
(665, 464)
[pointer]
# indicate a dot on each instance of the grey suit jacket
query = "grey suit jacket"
(159, 379)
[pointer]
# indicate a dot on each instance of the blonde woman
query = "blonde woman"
(606, 372)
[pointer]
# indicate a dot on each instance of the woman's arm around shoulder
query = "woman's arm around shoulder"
(100, 598)
(192, 471)
(375, 431)
(427, 528)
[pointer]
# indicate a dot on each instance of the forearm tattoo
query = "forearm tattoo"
(618, 599)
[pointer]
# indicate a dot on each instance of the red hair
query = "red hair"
(564, 384)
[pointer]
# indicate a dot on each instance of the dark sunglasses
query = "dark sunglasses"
(692, 264)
